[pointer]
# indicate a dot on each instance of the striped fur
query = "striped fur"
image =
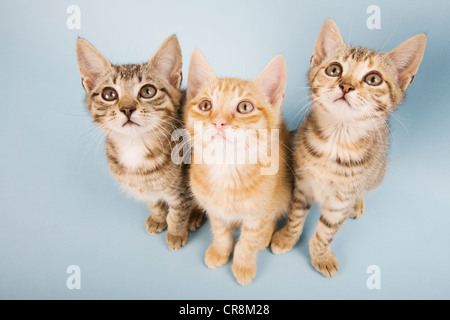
(139, 155)
(340, 148)
(238, 194)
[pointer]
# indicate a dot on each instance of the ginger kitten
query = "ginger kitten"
(138, 107)
(340, 148)
(249, 194)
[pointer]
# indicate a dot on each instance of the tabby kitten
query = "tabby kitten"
(238, 193)
(340, 148)
(138, 107)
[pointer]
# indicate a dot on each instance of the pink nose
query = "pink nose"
(219, 123)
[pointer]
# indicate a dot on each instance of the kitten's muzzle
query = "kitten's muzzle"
(346, 87)
(127, 111)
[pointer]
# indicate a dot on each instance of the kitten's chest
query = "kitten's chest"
(132, 154)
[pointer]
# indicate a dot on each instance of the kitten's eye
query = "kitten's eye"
(334, 70)
(109, 94)
(373, 79)
(205, 105)
(148, 91)
(245, 107)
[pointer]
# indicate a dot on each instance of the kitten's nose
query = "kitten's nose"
(128, 110)
(346, 87)
(219, 123)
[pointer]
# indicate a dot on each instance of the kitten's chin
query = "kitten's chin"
(342, 102)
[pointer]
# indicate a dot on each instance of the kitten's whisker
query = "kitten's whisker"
(397, 117)
(102, 139)
(88, 147)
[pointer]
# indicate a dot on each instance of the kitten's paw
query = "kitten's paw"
(153, 227)
(244, 274)
(282, 242)
(214, 258)
(176, 241)
(327, 263)
(196, 219)
(358, 209)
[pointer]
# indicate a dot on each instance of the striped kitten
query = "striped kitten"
(340, 148)
(138, 106)
(238, 193)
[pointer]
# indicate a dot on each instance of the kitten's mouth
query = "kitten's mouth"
(342, 99)
(219, 135)
(130, 123)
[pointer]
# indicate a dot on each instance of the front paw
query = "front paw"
(326, 263)
(153, 227)
(214, 258)
(176, 241)
(196, 219)
(282, 241)
(358, 209)
(244, 273)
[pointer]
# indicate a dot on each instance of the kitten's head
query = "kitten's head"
(221, 104)
(131, 99)
(352, 83)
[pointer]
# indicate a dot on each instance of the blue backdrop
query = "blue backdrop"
(59, 206)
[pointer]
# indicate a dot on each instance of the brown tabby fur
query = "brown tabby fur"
(139, 155)
(340, 148)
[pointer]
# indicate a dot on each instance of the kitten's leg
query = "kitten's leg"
(285, 239)
(156, 221)
(268, 234)
(177, 233)
(250, 242)
(358, 209)
(322, 258)
(196, 218)
(218, 252)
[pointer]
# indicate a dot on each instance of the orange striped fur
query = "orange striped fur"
(238, 194)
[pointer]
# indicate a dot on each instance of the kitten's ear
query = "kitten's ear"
(199, 73)
(407, 57)
(328, 41)
(272, 81)
(91, 63)
(168, 61)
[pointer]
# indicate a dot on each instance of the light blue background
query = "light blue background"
(60, 206)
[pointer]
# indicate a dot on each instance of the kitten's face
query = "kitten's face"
(231, 112)
(355, 83)
(133, 99)
(226, 104)
(130, 100)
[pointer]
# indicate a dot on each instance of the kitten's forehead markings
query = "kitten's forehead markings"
(357, 69)
(224, 94)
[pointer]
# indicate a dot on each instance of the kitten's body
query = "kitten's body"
(138, 128)
(239, 194)
(340, 148)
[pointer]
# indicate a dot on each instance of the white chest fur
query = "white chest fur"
(131, 152)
